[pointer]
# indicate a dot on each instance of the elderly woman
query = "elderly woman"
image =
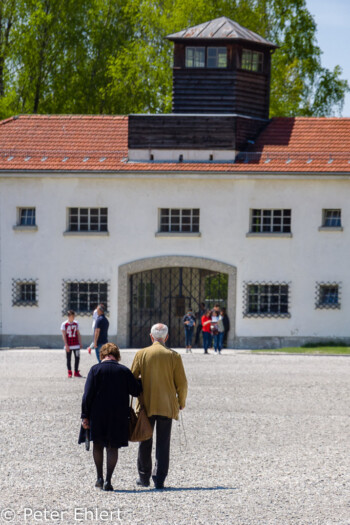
(105, 410)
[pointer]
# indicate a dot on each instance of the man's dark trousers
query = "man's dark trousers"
(144, 460)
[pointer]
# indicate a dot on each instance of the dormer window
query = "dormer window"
(195, 57)
(252, 60)
(210, 57)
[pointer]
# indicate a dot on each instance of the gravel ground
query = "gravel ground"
(267, 443)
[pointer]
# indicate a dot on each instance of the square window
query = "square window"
(331, 218)
(327, 295)
(216, 57)
(252, 60)
(26, 217)
(24, 292)
(195, 57)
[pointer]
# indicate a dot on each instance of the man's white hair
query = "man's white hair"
(159, 331)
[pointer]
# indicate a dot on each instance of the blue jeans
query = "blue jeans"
(97, 350)
(206, 340)
(216, 342)
(188, 336)
(220, 340)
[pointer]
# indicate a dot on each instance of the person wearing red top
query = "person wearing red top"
(72, 343)
(206, 322)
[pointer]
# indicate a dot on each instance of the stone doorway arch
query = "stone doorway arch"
(168, 261)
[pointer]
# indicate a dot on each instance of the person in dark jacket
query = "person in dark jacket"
(105, 410)
(226, 321)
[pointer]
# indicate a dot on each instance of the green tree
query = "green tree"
(8, 18)
(111, 56)
(299, 83)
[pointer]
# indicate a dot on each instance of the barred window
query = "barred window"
(195, 57)
(179, 220)
(327, 295)
(266, 300)
(88, 219)
(252, 60)
(271, 221)
(84, 296)
(24, 292)
(331, 218)
(26, 217)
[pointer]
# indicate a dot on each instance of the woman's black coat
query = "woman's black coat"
(106, 403)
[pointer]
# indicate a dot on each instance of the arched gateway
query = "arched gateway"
(159, 289)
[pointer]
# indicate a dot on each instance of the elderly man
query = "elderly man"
(164, 393)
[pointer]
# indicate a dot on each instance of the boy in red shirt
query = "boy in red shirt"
(72, 343)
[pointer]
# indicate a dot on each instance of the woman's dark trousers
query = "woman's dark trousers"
(144, 460)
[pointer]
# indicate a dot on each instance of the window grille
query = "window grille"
(252, 60)
(88, 219)
(271, 221)
(327, 296)
(179, 220)
(195, 57)
(84, 296)
(26, 217)
(331, 218)
(24, 292)
(266, 300)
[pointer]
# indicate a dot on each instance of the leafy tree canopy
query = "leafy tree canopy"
(111, 56)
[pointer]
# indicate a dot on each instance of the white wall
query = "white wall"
(133, 202)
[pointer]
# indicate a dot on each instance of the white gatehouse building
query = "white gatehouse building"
(151, 214)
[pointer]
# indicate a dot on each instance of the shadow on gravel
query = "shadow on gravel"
(172, 489)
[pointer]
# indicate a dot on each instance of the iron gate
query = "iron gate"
(165, 294)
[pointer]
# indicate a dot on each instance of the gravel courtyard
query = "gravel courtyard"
(267, 443)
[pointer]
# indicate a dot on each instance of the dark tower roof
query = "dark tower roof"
(220, 29)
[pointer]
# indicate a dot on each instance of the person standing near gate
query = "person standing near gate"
(164, 394)
(206, 332)
(199, 316)
(189, 322)
(226, 321)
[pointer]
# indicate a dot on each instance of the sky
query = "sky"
(333, 36)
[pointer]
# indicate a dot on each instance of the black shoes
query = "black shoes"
(107, 486)
(142, 483)
(99, 483)
(157, 485)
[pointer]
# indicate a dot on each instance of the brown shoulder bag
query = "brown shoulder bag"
(140, 428)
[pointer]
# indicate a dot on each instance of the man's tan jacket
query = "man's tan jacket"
(163, 379)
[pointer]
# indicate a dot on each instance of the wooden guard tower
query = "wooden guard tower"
(221, 92)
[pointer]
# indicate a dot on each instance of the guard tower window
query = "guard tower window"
(195, 57)
(217, 57)
(252, 60)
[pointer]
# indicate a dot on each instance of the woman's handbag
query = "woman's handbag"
(140, 428)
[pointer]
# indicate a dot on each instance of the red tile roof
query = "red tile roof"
(99, 143)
